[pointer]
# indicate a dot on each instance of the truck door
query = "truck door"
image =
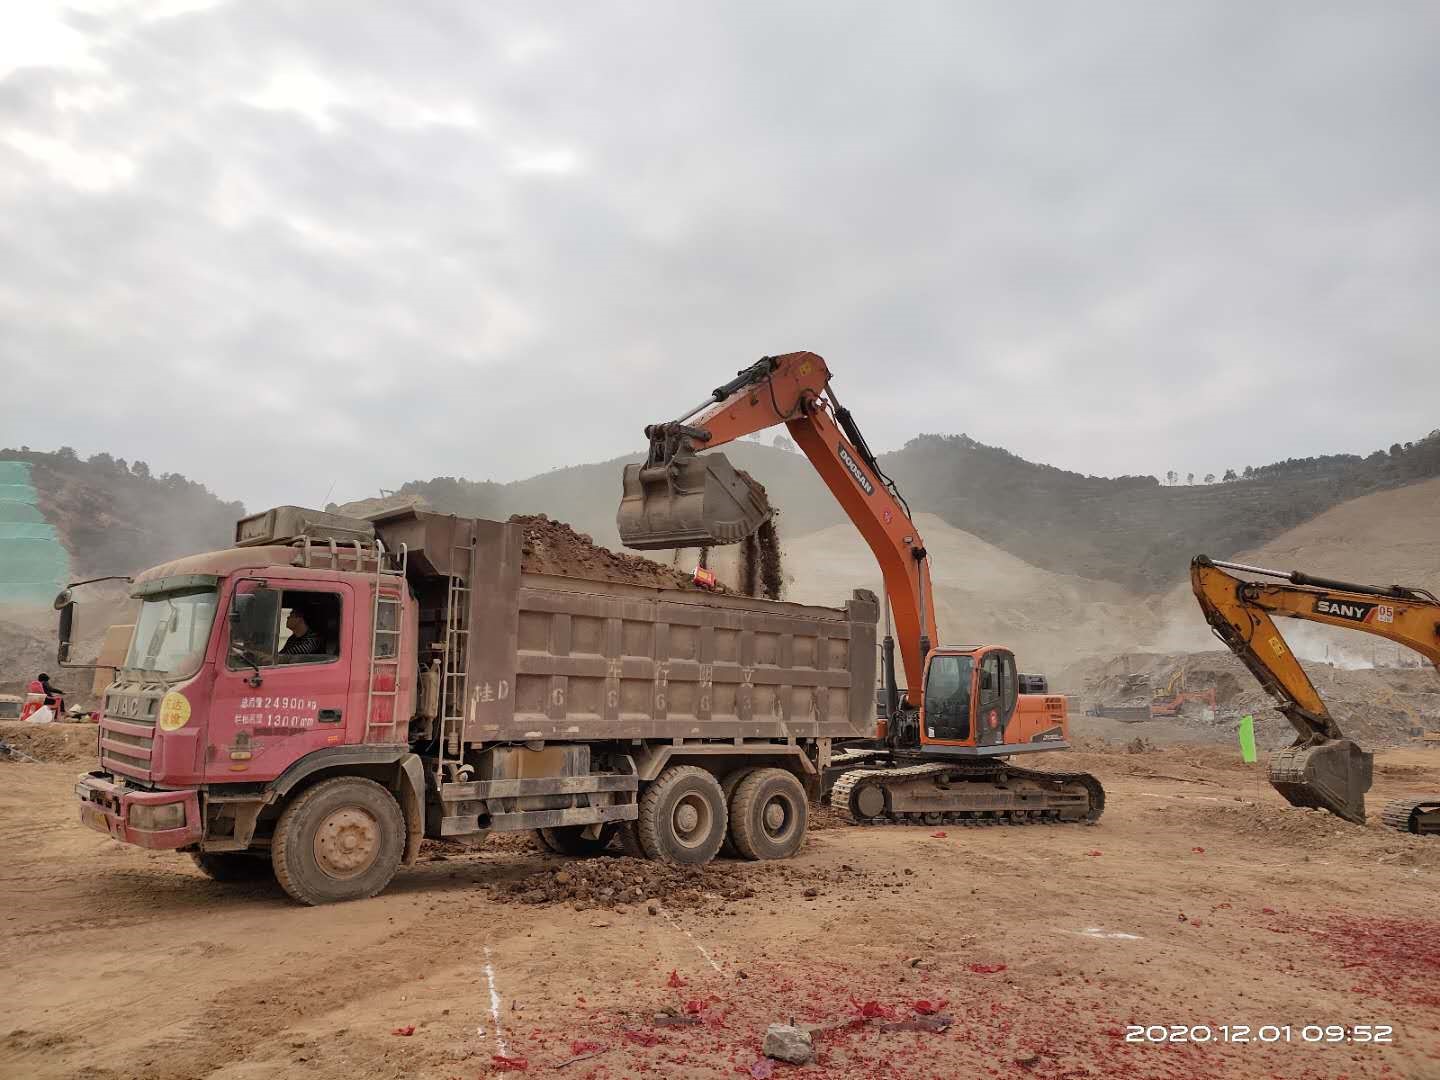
(998, 694)
(296, 641)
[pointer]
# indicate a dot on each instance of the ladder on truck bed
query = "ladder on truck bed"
(383, 724)
(454, 672)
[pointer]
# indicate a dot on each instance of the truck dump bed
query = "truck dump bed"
(571, 659)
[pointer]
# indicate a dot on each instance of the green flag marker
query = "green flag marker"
(1247, 738)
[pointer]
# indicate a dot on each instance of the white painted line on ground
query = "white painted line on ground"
(698, 947)
(1185, 798)
(1097, 932)
(494, 1004)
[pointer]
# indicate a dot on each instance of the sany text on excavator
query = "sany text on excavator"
(1322, 768)
(937, 756)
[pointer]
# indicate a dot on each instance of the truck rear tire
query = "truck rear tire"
(682, 816)
(768, 815)
(728, 786)
(229, 867)
(339, 840)
(568, 840)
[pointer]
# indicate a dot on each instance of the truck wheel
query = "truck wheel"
(340, 840)
(728, 786)
(567, 840)
(232, 866)
(768, 815)
(682, 816)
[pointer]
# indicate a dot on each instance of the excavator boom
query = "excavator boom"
(1322, 768)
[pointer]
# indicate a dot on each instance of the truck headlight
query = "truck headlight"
(157, 818)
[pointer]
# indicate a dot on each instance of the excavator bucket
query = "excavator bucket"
(1332, 776)
(691, 500)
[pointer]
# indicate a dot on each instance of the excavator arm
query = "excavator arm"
(682, 498)
(1322, 768)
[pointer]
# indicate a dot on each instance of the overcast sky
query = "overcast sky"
(280, 246)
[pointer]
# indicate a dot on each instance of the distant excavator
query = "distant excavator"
(940, 748)
(1322, 768)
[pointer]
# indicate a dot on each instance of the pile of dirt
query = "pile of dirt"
(612, 882)
(619, 882)
(1310, 830)
(552, 547)
(51, 742)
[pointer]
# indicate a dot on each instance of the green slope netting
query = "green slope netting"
(33, 562)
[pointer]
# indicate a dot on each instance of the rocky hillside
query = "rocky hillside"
(116, 517)
(1132, 530)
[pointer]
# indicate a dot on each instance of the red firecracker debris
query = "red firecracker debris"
(584, 1046)
(929, 1008)
(1198, 850)
(642, 1038)
(986, 969)
(1093, 853)
(939, 835)
(871, 1010)
(408, 1029)
(501, 1063)
(675, 981)
(763, 1069)
(1267, 911)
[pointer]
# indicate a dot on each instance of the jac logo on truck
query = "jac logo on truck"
(856, 472)
(1349, 610)
(131, 707)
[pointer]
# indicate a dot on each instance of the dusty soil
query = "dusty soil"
(51, 742)
(1200, 898)
(552, 547)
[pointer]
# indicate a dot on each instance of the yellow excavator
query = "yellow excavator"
(1322, 768)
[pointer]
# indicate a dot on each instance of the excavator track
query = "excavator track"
(1420, 815)
(980, 793)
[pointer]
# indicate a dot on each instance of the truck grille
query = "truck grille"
(127, 733)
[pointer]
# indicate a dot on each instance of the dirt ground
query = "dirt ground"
(1199, 899)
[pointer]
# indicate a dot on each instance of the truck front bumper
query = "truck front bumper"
(149, 819)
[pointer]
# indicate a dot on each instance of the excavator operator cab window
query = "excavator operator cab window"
(947, 698)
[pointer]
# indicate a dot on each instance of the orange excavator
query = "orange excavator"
(940, 753)
(1322, 768)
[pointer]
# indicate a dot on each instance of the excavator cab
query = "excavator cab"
(679, 498)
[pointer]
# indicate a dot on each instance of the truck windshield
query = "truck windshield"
(172, 631)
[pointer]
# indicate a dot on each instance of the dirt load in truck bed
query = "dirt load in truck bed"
(552, 547)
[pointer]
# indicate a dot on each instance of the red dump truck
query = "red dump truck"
(317, 698)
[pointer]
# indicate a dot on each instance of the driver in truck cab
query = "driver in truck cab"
(304, 643)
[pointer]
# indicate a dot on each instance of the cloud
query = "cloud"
(277, 247)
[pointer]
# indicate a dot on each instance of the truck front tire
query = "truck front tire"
(768, 815)
(682, 816)
(339, 840)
